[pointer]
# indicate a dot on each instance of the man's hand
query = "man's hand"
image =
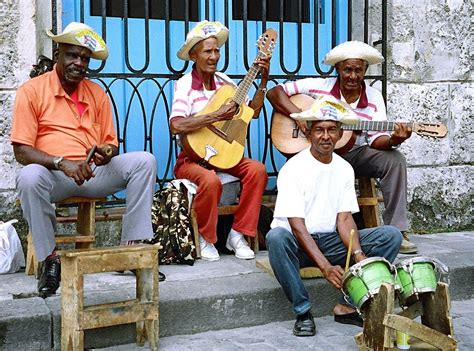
(303, 126)
(103, 154)
(80, 171)
(333, 274)
(401, 133)
(227, 111)
(263, 64)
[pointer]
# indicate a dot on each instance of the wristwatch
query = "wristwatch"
(57, 160)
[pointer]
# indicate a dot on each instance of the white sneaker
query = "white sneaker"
(239, 245)
(208, 251)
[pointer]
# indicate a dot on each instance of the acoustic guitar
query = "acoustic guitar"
(289, 140)
(222, 144)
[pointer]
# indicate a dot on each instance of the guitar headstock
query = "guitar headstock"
(266, 43)
(434, 130)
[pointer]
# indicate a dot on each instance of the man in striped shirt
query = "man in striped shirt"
(191, 94)
(373, 154)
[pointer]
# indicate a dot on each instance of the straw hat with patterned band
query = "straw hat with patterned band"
(82, 35)
(353, 50)
(328, 108)
(201, 31)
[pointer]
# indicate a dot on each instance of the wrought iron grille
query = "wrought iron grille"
(142, 67)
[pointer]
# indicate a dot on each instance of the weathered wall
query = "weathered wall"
(430, 79)
(17, 53)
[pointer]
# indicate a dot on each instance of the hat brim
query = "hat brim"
(69, 38)
(353, 50)
(346, 114)
(183, 52)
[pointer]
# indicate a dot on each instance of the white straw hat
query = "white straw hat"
(353, 50)
(201, 31)
(82, 35)
(328, 108)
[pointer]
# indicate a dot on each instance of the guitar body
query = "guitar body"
(227, 138)
(290, 141)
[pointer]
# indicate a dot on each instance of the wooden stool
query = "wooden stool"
(380, 322)
(85, 229)
(368, 202)
(143, 310)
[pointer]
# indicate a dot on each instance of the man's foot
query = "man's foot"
(50, 277)
(350, 318)
(407, 247)
(208, 250)
(237, 243)
(304, 325)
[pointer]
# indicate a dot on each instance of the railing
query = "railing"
(142, 67)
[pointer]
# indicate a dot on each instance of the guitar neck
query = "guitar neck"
(373, 125)
(244, 86)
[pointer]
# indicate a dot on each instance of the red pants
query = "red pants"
(253, 180)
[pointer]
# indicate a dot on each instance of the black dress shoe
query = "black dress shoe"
(350, 318)
(161, 277)
(304, 325)
(50, 277)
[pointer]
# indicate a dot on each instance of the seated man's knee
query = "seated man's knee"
(211, 183)
(393, 235)
(147, 159)
(31, 176)
(277, 237)
(397, 158)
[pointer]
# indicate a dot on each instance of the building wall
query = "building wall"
(430, 79)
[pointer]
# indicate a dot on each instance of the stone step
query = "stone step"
(226, 294)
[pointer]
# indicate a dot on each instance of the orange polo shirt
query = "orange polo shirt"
(45, 117)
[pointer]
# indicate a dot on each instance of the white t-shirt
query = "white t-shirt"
(314, 191)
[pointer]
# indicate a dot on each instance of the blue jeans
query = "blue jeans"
(286, 257)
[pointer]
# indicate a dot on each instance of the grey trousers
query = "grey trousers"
(390, 167)
(38, 187)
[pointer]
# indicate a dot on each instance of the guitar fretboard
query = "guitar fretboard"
(372, 125)
(244, 86)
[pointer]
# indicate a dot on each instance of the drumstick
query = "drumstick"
(349, 250)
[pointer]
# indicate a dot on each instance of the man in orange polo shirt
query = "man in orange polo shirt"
(58, 117)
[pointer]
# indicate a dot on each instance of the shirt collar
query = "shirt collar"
(363, 100)
(197, 83)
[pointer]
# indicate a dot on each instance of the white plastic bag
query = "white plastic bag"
(11, 253)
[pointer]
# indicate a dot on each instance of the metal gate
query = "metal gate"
(143, 37)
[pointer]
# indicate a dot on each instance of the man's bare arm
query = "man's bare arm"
(332, 273)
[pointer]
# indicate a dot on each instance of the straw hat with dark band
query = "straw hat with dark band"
(82, 35)
(201, 31)
(328, 108)
(353, 50)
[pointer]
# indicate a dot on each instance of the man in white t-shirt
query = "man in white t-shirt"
(373, 153)
(313, 219)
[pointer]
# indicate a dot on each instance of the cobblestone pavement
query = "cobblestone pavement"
(278, 336)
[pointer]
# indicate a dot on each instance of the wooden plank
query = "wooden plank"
(31, 262)
(359, 340)
(72, 304)
(117, 313)
(71, 239)
(419, 331)
(412, 311)
(195, 228)
(305, 273)
(79, 199)
(370, 213)
(367, 201)
(85, 222)
(437, 310)
(110, 261)
(376, 335)
(110, 249)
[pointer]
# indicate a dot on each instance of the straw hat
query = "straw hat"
(328, 108)
(353, 50)
(201, 31)
(82, 35)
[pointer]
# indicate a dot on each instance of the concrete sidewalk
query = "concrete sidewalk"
(208, 296)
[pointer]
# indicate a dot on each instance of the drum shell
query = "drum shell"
(415, 277)
(364, 279)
